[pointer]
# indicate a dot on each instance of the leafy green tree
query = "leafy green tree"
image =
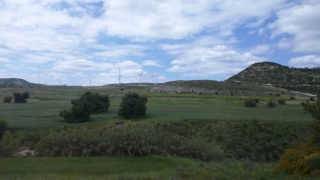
(281, 102)
(272, 104)
(97, 103)
(132, 105)
(7, 99)
(80, 112)
(251, 103)
(20, 97)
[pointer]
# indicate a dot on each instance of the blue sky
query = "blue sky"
(75, 42)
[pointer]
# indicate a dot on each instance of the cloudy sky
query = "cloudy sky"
(77, 42)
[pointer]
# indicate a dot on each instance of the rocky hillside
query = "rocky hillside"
(277, 75)
(208, 87)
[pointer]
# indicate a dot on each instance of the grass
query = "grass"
(42, 109)
(91, 167)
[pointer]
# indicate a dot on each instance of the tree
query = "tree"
(132, 105)
(20, 97)
(7, 99)
(80, 112)
(82, 108)
(304, 158)
(97, 103)
(250, 103)
(272, 104)
(281, 102)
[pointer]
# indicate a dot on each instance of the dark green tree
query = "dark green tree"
(7, 99)
(80, 112)
(281, 102)
(272, 104)
(132, 106)
(20, 97)
(251, 103)
(97, 103)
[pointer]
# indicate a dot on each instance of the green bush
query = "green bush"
(97, 103)
(80, 112)
(9, 145)
(3, 127)
(131, 140)
(20, 97)
(292, 98)
(312, 99)
(132, 106)
(272, 104)
(304, 158)
(281, 102)
(250, 103)
(7, 99)
(82, 108)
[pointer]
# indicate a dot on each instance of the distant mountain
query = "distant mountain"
(15, 81)
(278, 75)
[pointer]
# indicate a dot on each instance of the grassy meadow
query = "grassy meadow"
(185, 117)
(44, 104)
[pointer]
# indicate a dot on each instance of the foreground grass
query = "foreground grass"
(92, 167)
(122, 168)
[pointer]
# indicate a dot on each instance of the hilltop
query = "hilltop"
(278, 75)
(15, 81)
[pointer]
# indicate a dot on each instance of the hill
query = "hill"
(15, 81)
(278, 75)
(209, 87)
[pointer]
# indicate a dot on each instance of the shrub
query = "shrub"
(312, 99)
(132, 105)
(97, 103)
(250, 103)
(304, 158)
(80, 112)
(20, 97)
(9, 145)
(281, 102)
(257, 100)
(3, 127)
(7, 99)
(292, 98)
(272, 104)
(278, 94)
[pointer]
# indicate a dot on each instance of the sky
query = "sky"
(89, 42)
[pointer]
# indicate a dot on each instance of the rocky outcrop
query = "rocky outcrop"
(176, 88)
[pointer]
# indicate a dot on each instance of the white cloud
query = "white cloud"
(6, 60)
(180, 19)
(302, 23)
(151, 63)
(217, 60)
(261, 49)
(81, 64)
(118, 51)
(305, 61)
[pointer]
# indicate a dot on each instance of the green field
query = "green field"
(44, 104)
(181, 111)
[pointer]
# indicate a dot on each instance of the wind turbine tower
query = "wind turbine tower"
(154, 76)
(119, 78)
(140, 77)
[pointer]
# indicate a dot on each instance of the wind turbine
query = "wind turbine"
(119, 78)
(140, 77)
(89, 82)
(154, 76)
